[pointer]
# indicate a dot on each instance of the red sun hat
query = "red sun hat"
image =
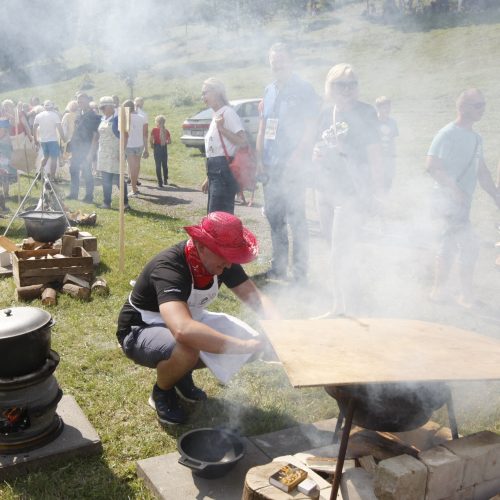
(225, 235)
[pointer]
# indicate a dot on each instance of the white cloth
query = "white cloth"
(108, 155)
(213, 146)
(223, 366)
(142, 113)
(136, 132)
(47, 122)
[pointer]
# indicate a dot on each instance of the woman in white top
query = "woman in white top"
(225, 135)
(136, 145)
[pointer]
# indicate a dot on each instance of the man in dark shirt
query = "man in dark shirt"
(83, 148)
(164, 324)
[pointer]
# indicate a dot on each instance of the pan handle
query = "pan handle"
(191, 463)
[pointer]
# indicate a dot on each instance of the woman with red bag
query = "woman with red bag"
(225, 135)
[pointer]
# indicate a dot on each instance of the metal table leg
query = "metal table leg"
(343, 449)
(452, 418)
(336, 432)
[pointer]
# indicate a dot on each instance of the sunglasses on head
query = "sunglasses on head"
(346, 85)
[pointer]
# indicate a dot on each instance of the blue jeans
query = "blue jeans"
(222, 186)
(80, 164)
(108, 179)
(284, 199)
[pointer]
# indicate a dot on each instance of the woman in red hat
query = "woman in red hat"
(164, 323)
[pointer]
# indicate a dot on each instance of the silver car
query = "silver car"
(195, 128)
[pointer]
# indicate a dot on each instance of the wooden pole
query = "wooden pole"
(16, 121)
(123, 126)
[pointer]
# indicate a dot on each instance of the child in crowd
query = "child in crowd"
(388, 129)
(159, 139)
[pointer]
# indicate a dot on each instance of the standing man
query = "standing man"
(164, 324)
(284, 146)
(49, 124)
(83, 148)
(455, 161)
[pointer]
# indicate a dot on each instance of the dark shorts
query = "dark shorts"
(148, 345)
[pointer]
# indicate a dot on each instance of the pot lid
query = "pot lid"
(16, 321)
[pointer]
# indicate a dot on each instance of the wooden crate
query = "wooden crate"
(41, 270)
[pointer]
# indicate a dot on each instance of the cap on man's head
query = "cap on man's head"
(48, 104)
(225, 235)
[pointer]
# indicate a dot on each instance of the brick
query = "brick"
(481, 453)
(357, 484)
(486, 490)
(445, 472)
(400, 478)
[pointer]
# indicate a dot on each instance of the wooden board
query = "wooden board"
(349, 351)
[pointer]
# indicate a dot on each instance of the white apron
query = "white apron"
(223, 366)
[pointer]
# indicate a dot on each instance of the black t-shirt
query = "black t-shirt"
(167, 278)
(85, 126)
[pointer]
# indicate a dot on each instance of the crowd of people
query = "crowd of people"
(86, 137)
(341, 146)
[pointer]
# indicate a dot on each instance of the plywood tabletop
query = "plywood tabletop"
(373, 350)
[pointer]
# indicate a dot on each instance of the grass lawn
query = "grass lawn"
(421, 70)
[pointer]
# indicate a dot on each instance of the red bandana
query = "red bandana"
(201, 277)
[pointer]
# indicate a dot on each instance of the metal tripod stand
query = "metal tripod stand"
(46, 187)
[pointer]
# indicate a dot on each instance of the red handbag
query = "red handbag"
(243, 167)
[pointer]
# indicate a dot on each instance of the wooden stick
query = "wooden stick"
(16, 120)
(29, 292)
(49, 297)
(79, 292)
(68, 243)
(100, 287)
(123, 125)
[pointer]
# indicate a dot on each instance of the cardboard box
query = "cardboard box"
(32, 267)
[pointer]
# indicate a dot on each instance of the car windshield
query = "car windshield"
(206, 114)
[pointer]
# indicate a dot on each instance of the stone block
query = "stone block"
(481, 454)
(169, 480)
(357, 484)
(487, 490)
(400, 478)
(445, 472)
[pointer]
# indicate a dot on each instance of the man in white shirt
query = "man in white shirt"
(49, 124)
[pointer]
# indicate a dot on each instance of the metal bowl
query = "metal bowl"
(44, 226)
(210, 453)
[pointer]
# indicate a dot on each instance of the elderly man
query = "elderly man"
(164, 324)
(48, 123)
(455, 161)
(284, 146)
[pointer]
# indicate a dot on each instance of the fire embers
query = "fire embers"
(14, 419)
(28, 403)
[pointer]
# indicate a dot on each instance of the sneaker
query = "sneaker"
(188, 391)
(106, 205)
(139, 183)
(133, 194)
(128, 181)
(160, 185)
(166, 404)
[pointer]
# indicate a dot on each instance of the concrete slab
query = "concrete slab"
(294, 439)
(77, 439)
(169, 480)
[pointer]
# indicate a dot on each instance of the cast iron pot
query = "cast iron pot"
(210, 453)
(44, 226)
(391, 407)
(24, 340)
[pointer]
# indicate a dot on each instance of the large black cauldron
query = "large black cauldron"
(24, 340)
(391, 407)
